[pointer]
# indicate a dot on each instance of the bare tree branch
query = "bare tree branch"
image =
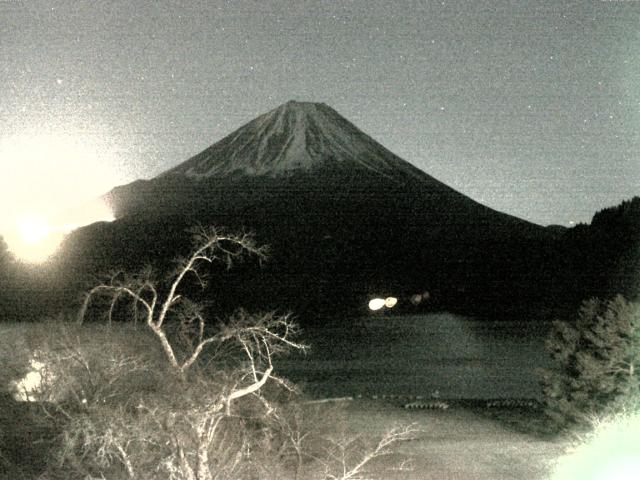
(247, 390)
(380, 449)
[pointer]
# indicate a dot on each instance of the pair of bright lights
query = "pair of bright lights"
(378, 303)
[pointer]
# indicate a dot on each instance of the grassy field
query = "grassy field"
(388, 362)
(460, 443)
(457, 444)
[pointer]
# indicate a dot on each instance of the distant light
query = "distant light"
(376, 304)
(416, 299)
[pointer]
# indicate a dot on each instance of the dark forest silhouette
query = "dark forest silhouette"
(318, 277)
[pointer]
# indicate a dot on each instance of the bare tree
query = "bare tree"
(210, 246)
(194, 427)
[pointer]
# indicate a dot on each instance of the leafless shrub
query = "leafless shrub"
(348, 456)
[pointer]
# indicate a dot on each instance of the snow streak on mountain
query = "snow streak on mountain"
(297, 136)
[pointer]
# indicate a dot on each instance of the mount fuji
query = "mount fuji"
(298, 148)
(345, 219)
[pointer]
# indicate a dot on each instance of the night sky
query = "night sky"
(532, 108)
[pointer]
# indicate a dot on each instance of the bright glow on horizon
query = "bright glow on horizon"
(33, 229)
(50, 185)
(35, 239)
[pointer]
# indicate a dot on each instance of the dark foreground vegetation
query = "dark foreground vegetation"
(596, 357)
(325, 267)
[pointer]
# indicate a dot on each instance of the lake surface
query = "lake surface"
(457, 357)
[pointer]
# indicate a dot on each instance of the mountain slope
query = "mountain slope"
(301, 149)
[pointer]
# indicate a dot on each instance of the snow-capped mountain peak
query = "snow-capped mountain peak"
(296, 136)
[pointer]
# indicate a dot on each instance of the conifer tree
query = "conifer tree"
(596, 361)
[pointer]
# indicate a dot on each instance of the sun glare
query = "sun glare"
(33, 229)
(54, 180)
(32, 239)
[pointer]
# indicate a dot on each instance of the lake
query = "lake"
(458, 357)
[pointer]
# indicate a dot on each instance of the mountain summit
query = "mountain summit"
(296, 136)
